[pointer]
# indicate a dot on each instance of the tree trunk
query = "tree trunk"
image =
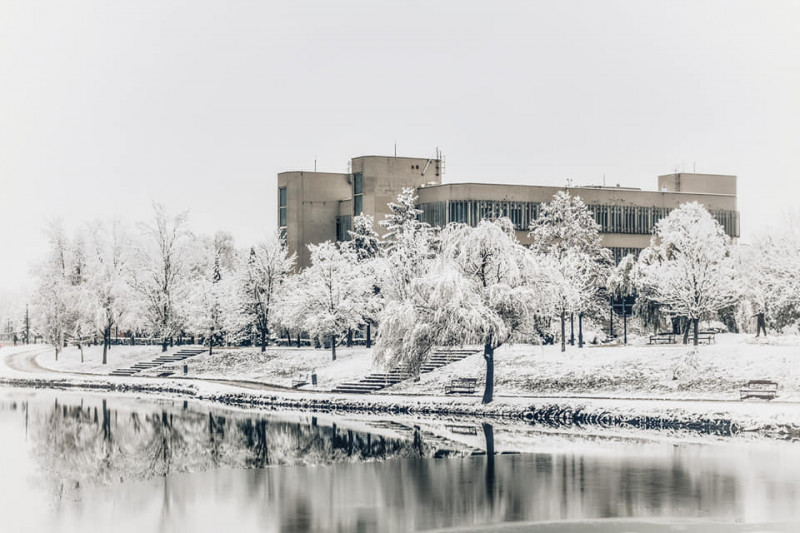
(580, 330)
(572, 329)
(563, 332)
(333, 347)
(349, 338)
(624, 326)
(211, 343)
(685, 323)
(611, 320)
(80, 347)
(298, 339)
(488, 356)
(369, 336)
(164, 345)
(696, 325)
(488, 434)
(263, 341)
(105, 346)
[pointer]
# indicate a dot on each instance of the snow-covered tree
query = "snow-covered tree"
(403, 216)
(80, 304)
(214, 306)
(113, 303)
(364, 241)
(160, 276)
(330, 296)
(52, 299)
(261, 279)
(482, 288)
(567, 233)
(365, 246)
(566, 225)
(692, 272)
(768, 271)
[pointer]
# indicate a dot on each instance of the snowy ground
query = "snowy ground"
(69, 360)
(279, 365)
(638, 370)
(716, 371)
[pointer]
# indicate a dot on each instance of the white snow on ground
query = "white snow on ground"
(278, 365)
(715, 371)
(69, 360)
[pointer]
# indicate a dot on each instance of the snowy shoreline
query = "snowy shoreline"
(723, 419)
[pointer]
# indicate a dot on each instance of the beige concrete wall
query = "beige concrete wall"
(312, 200)
(385, 177)
(346, 207)
(698, 183)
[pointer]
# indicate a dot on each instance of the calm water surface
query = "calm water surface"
(82, 463)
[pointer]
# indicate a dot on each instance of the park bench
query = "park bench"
(299, 381)
(662, 338)
(461, 386)
(705, 336)
(462, 430)
(759, 388)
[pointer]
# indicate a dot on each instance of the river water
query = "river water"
(88, 462)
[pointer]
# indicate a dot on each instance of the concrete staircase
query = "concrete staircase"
(180, 355)
(378, 381)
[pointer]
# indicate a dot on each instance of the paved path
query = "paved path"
(25, 361)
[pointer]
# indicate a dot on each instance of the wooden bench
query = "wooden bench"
(662, 338)
(299, 382)
(463, 430)
(461, 386)
(705, 336)
(759, 388)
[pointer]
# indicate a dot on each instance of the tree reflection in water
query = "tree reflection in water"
(78, 445)
(109, 443)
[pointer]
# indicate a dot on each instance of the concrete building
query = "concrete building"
(318, 206)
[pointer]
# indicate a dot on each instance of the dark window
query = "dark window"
(282, 207)
(358, 193)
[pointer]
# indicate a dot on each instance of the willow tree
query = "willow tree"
(481, 289)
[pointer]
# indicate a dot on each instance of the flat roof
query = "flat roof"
(621, 189)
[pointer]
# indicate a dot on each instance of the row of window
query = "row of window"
(611, 218)
(619, 252)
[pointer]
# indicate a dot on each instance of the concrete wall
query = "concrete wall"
(385, 177)
(698, 183)
(312, 200)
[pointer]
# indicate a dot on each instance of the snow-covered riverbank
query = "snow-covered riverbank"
(704, 397)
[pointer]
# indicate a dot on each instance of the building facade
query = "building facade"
(315, 207)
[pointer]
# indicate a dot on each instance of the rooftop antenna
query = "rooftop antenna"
(315, 162)
(604, 179)
(395, 148)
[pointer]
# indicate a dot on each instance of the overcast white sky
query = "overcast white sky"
(106, 106)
